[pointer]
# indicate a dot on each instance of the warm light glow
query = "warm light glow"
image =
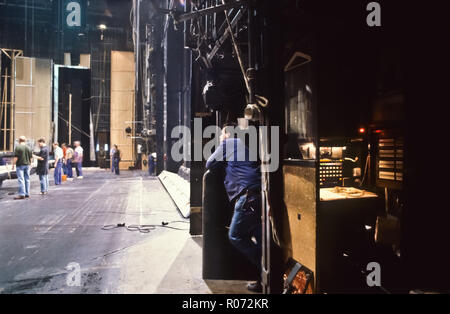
(362, 130)
(102, 27)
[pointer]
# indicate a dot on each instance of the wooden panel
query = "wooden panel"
(23, 111)
(300, 200)
(85, 60)
(33, 98)
(122, 104)
(24, 71)
(122, 61)
(121, 100)
(42, 99)
(122, 81)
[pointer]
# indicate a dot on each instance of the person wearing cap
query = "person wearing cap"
(23, 157)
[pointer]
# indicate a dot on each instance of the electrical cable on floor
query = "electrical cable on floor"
(145, 228)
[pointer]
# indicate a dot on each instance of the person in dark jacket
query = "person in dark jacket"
(243, 186)
(116, 159)
(42, 166)
(151, 165)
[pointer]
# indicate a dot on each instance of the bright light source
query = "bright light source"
(362, 130)
(308, 89)
(102, 27)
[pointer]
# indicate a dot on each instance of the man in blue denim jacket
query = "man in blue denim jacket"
(243, 186)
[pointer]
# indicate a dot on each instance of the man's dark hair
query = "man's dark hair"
(41, 140)
(230, 124)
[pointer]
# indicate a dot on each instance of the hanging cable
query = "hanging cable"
(76, 128)
(236, 50)
(366, 169)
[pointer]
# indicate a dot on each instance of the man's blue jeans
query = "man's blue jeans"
(69, 169)
(79, 169)
(58, 173)
(116, 162)
(246, 225)
(23, 176)
(43, 178)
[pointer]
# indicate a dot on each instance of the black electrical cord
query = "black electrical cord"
(145, 228)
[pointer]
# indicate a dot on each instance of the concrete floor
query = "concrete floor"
(40, 237)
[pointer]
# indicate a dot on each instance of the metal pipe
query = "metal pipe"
(70, 118)
(251, 54)
(26, 6)
(137, 43)
(201, 13)
(5, 114)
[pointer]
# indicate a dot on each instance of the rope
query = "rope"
(236, 49)
(73, 126)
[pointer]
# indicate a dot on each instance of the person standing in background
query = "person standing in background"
(111, 155)
(68, 161)
(78, 159)
(151, 165)
(59, 159)
(23, 157)
(64, 148)
(116, 159)
(42, 167)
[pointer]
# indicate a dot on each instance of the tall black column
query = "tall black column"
(174, 66)
(158, 81)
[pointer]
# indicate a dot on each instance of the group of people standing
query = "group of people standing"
(65, 158)
(116, 157)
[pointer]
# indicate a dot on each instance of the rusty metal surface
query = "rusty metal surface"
(300, 199)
